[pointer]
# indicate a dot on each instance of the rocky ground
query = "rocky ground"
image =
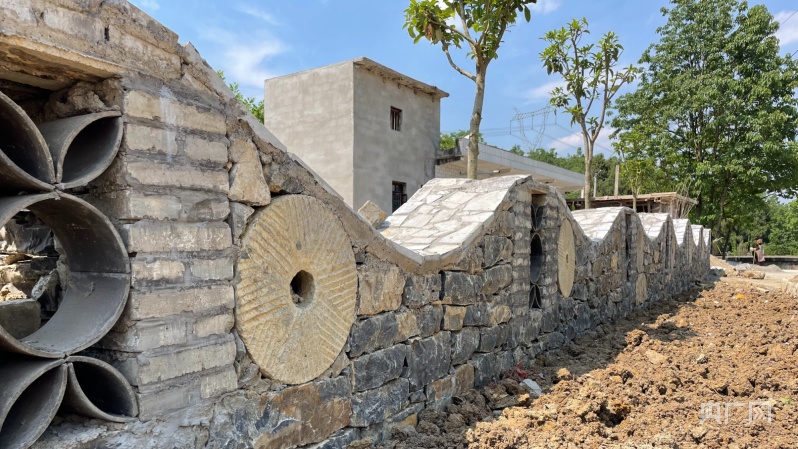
(641, 382)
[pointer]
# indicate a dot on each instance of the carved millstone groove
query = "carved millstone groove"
(295, 300)
(566, 259)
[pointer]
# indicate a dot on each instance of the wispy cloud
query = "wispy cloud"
(788, 32)
(245, 54)
(573, 141)
(151, 5)
(543, 91)
(258, 14)
(545, 6)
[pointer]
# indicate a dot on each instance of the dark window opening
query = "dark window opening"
(399, 194)
(396, 119)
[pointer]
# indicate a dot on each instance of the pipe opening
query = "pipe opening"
(534, 298)
(536, 258)
(33, 410)
(97, 390)
(303, 288)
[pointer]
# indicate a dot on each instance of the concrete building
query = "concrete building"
(369, 131)
(494, 161)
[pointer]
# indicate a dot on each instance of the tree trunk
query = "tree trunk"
(588, 171)
(476, 119)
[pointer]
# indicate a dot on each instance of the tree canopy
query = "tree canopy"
(715, 107)
(482, 24)
(449, 140)
(591, 79)
(255, 107)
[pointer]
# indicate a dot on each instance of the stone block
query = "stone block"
(373, 333)
(162, 174)
(429, 359)
(372, 213)
(20, 317)
(213, 325)
(486, 369)
(376, 369)
(375, 406)
(407, 325)
(220, 269)
(162, 303)
(148, 334)
(441, 392)
(460, 288)
(421, 290)
(158, 270)
(158, 368)
(496, 249)
(339, 440)
(453, 317)
(147, 139)
(464, 343)
(428, 319)
(167, 109)
(201, 149)
(489, 338)
(305, 414)
(239, 215)
(247, 184)
(161, 237)
(219, 383)
(496, 278)
(380, 289)
(477, 314)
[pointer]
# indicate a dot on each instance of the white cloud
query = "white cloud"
(244, 55)
(258, 14)
(545, 6)
(788, 32)
(573, 141)
(542, 91)
(151, 5)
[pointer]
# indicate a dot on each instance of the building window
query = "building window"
(396, 119)
(399, 194)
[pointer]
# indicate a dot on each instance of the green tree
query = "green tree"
(716, 104)
(449, 140)
(592, 78)
(482, 26)
(636, 167)
(255, 107)
(516, 149)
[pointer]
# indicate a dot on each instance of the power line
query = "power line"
(788, 18)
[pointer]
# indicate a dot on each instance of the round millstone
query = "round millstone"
(566, 259)
(295, 301)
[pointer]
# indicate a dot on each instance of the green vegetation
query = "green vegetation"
(255, 107)
(482, 24)
(715, 110)
(448, 140)
(591, 78)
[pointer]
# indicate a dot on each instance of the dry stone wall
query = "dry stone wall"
(263, 312)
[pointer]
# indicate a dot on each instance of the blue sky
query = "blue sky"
(253, 40)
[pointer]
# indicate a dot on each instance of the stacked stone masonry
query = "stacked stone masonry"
(454, 289)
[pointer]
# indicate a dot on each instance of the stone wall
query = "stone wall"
(263, 312)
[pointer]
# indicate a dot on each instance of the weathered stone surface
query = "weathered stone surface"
(294, 311)
(496, 249)
(421, 290)
(491, 337)
(460, 288)
(166, 237)
(339, 440)
(380, 290)
(239, 214)
(147, 106)
(486, 369)
(305, 414)
(464, 344)
(162, 303)
(477, 314)
(376, 369)
(201, 149)
(429, 320)
(429, 359)
(496, 278)
(440, 392)
(376, 332)
(407, 325)
(374, 406)
(247, 184)
(453, 317)
(20, 317)
(372, 213)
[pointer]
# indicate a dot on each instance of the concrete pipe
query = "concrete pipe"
(98, 283)
(32, 391)
(97, 390)
(25, 162)
(535, 301)
(82, 147)
(536, 258)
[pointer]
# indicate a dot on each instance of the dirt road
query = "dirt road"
(713, 368)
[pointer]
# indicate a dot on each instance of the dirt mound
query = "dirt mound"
(632, 385)
(717, 262)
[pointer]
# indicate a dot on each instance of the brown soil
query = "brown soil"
(640, 383)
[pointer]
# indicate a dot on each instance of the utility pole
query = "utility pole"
(617, 173)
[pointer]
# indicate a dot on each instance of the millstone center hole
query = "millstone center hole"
(303, 288)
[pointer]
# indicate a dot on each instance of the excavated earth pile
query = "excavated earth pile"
(713, 368)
